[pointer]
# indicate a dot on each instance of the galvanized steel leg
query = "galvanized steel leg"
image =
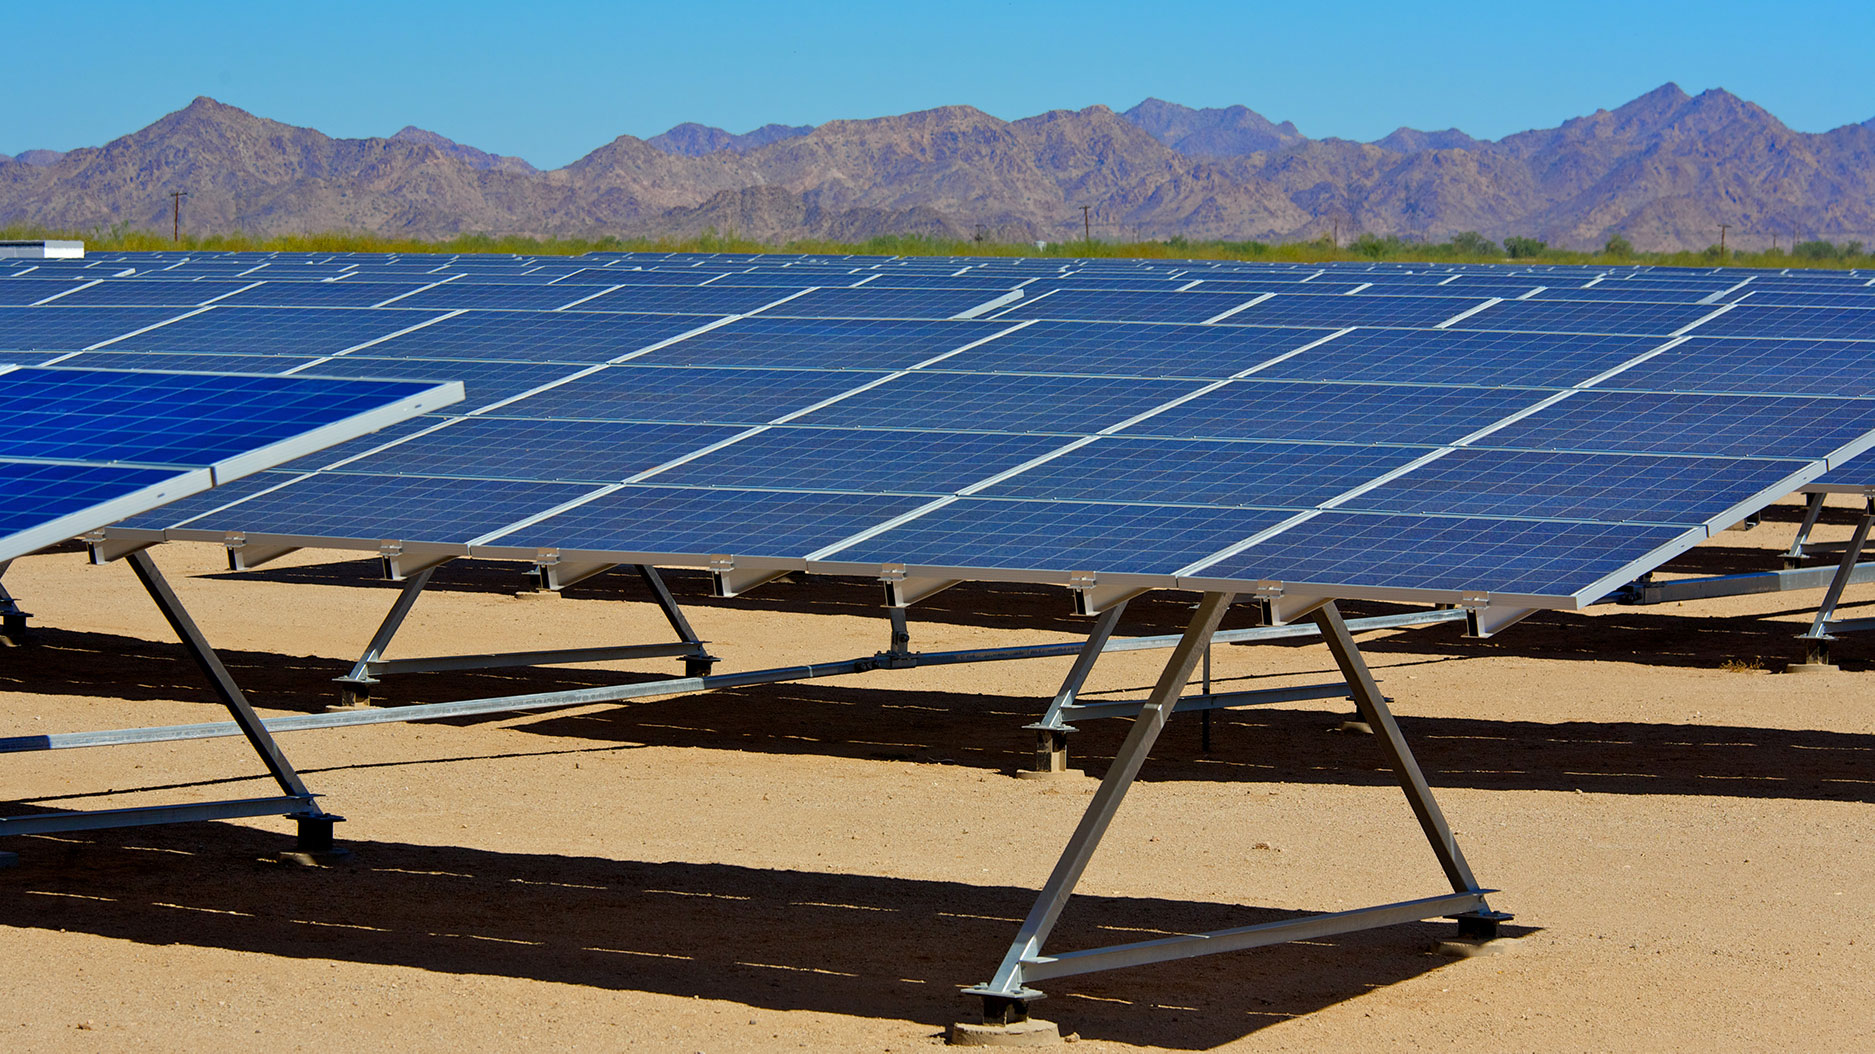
(315, 825)
(698, 665)
(355, 686)
(1051, 732)
(1816, 639)
(1006, 986)
(1373, 709)
(12, 619)
(1812, 510)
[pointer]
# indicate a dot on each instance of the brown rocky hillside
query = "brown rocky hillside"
(1663, 170)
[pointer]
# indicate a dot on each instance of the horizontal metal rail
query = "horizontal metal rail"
(557, 657)
(1734, 585)
(1112, 957)
(669, 686)
(1849, 625)
(1213, 701)
(49, 823)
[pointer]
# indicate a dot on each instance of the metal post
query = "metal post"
(698, 665)
(355, 686)
(1051, 732)
(1007, 983)
(12, 618)
(1812, 509)
(1373, 709)
(218, 677)
(1816, 639)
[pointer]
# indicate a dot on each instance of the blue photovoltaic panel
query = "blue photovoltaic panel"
(322, 294)
(1574, 316)
(1060, 536)
(484, 382)
(684, 394)
(160, 291)
(1301, 309)
(868, 302)
(548, 451)
(1447, 553)
(1500, 285)
(32, 493)
(112, 359)
(1204, 472)
(338, 452)
(999, 403)
(682, 520)
(1622, 291)
(1273, 284)
(790, 278)
(170, 418)
(1748, 366)
(1719, 425)
(1131, 349)
(342, 505)
(1837, 323)
(274, 331)
(1348, 413)
(603, 276)
(1123, 306)
(461, 294)
(87, 447)
(825, 344)
(992, 283)
(1565, 486)
(19, 292)
(866, 460)
(536, 336)
(65, 329)
(669, 300)
(1773, 298)
(1460, 357)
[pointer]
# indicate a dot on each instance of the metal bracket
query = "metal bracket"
(1279, 608)
(1482, 619)
(102, 549)
(903, 591)
(398, 563)
(729, 581)
(1092, 598)
(245, 556)
(556, 573)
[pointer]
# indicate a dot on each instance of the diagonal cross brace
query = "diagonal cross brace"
(1006, 995)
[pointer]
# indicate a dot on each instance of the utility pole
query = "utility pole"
(1337, 232)
(1723, 227)
(1087, 225)
(175, 215)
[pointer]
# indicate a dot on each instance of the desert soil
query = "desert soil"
(1682, 830)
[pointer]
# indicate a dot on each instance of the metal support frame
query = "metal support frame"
(1006, 995)
(1823, 628)
(295, 800)
(1813, 509)
(12, 617)
(355, 687)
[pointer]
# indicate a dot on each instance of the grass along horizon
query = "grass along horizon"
(1468, 247)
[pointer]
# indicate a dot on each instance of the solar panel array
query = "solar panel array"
(1394, 431)
(85, 447)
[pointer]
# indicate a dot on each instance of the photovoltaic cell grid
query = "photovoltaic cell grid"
(810, 422)
(86, 447)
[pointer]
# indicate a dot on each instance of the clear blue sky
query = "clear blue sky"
(551, 80)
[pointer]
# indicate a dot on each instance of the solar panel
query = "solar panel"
(1096, 430)
(1834, 323)
(164, 292)
(260, 330)
(60, 329)
(85, 447)
(323, 294)
(1127, 306)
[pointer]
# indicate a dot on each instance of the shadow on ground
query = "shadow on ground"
(863, 945)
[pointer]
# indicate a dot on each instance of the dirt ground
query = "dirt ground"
(1682, 830)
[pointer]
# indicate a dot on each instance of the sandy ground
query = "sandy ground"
(1683, 833)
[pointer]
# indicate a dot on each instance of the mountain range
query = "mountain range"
(1664, 170)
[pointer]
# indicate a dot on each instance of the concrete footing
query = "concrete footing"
(1812, 667)
(1031, 1033)
(1051, 774)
